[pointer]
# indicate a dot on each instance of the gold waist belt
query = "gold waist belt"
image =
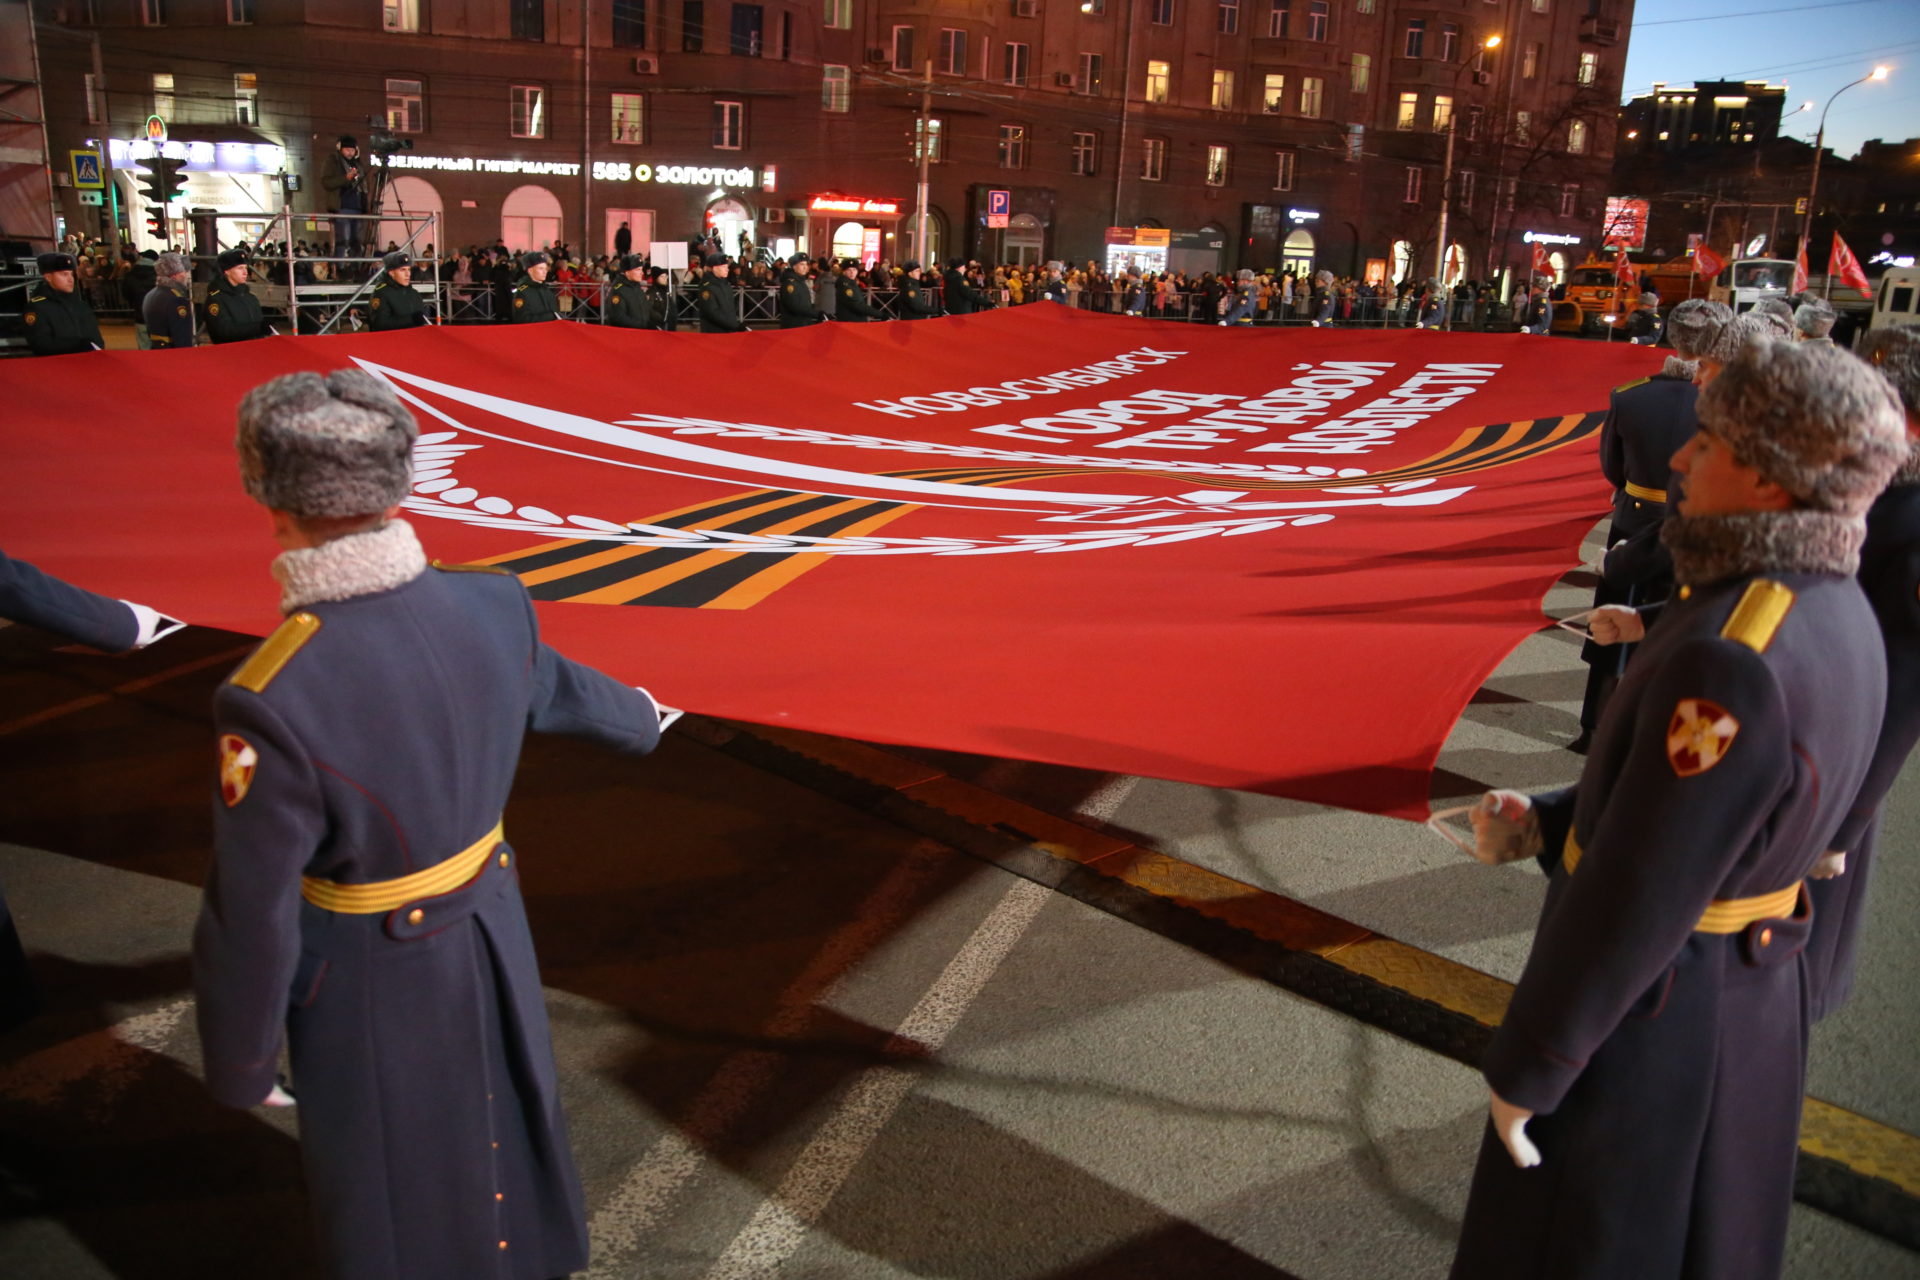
(1723, 915)
(377, 896)
(1645, 494)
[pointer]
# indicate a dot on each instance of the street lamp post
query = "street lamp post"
(1446, 186)
(1819, 143)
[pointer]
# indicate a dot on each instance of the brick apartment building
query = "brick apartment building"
(1216, 133)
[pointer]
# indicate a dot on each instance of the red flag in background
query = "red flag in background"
(1274, 560)
(1843, 264)
(1708, 263)
(1542, 265)
(1623, 270)
(1799, 272)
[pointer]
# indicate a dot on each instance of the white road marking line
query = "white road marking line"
(109, 1060)
(781, 1224)
(1105, 802)
(656, 1180)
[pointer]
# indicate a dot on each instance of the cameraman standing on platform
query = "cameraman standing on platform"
(345, 181)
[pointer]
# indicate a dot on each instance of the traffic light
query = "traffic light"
(157, 221)
(163, 183)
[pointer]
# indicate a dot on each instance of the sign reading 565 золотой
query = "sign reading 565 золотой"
(685, 175)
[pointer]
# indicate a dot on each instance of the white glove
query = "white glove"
(662, 712)
(1505, 828)
(277, 1097)
(154, 625)
(1510, 1126)
(1616, 624)
(1829, 864)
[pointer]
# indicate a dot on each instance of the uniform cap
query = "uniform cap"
(55, 262)
(911, 266)
(1693, 326)
(534, 259)
(955, 264)
(231, 258)
(317, 446)
(396, 260)
(632, 261)
(797, 259)
(173, 264)
(715, 260)
(1814, 318)
(1813, 419)
(1896, 354)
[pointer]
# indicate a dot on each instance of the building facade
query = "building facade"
(1181, 134)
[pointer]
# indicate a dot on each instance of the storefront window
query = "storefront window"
(530, 218)
(732, 222)
(848, 238)
(1296, 255)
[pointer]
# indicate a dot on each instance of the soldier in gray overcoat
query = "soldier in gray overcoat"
(364, 902)
(1647, 1079)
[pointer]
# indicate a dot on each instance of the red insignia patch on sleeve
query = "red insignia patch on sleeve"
(237, 762)
(1699, 736)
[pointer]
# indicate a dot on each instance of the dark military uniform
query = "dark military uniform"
(41, 600)
(233, 313)
(1890, 575)
(718, 305)
(915, 302)
(795, 301)
(395, 306)
(1056, 290)
(167, 311)
(60, 324)
(534, 301)
(959, 296)
(851, 304)
(364, 904)
(1659, 1029)
(630, 306)
(1647, 423)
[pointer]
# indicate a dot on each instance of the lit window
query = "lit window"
(1409, 111)
(1577, 137)
(1539, 6)
(528, 116)
(729, 125)
(1522, 127)
(1223, 91)
(629, 118)
(1086, 154)
(1216, 166)
(1159, 79)
(1312, 93)
(400, 15)
(406, 106)
(1363, 6)
(163, 94)
(1442, 113)
(93, 97)
(1530, 62)
(1589, 68)
(1283, 170)
(1153, 160)
(932, 139)
(246, 98)
(1013, 146)
(839, 14)
(836, 87)
(1362, 71)
(1273, 98)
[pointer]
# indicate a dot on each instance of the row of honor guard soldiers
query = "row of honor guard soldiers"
(1708, 872)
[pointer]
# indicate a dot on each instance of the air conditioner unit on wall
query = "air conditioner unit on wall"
(1483, 77)
(646, 64)
(773, 215)
(1064, 79)
(1026, 8)
(878, 56)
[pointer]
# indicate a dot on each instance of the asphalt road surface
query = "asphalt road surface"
(800, 1040)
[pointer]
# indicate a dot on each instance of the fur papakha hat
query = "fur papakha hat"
(1693, 326)
(338, 445)
(1895, 353)
(1813, 318)
(1813, 419)
(1776, 312)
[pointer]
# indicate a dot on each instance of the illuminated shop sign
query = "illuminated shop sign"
(681, 175)
(854, 204)
(1549, 237)
(1304, 215)
(201, 157)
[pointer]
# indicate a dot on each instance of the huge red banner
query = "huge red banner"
(1280, 561)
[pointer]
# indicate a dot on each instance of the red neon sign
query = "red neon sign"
(854, 204)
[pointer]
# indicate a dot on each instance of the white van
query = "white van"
(1897, 301)
(1748, 280)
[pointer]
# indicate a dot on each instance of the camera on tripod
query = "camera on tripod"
(381, 142)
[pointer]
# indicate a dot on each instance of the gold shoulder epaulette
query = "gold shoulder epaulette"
(471, 568)
(1759, 614)
(266, 662)
(1637, 382)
